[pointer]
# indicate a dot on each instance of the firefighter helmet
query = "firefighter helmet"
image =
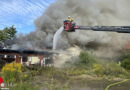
(70, 18)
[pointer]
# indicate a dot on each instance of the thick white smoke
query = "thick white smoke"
(88, 13)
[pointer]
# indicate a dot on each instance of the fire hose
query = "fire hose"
(110, 85)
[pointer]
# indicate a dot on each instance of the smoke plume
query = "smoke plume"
(88, 13)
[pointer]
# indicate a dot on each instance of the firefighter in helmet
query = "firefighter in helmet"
(70, 19)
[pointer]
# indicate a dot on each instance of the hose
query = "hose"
(115, 84)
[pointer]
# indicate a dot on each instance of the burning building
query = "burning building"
(26, 57)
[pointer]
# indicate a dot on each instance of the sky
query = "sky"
(21, 13)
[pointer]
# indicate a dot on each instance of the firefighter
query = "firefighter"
(70, 19)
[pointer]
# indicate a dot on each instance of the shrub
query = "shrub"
(111, 69)
(98, 69)
(85, 60)
(126, 63)
(114, 69)
(10, 72)
(12, 67)
(88, 64)
(125, 60)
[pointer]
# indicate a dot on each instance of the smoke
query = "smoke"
(85, 12)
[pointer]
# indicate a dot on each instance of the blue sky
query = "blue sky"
(21, 13)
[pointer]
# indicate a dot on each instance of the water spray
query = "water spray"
(57, 36)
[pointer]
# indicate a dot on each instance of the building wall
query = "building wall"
(16, 57)
(27, 58)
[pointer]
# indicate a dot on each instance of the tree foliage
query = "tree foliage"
(7, 33)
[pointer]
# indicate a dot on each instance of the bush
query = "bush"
(126, 63)
(10, 72)
(88, 64)
(111, 69)
(97, 68)
(85, 60)
(12, 67)
(125, 60)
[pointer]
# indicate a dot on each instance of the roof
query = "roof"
(25, 52)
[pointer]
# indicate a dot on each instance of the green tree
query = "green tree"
(8, 33)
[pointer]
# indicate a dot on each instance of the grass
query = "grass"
(24, 86)
(56, 85)
(109, 69)
(51, 78)
(88, 64)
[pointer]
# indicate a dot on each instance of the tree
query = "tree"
(8, 33)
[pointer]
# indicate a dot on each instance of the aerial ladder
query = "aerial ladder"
(70, 26)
